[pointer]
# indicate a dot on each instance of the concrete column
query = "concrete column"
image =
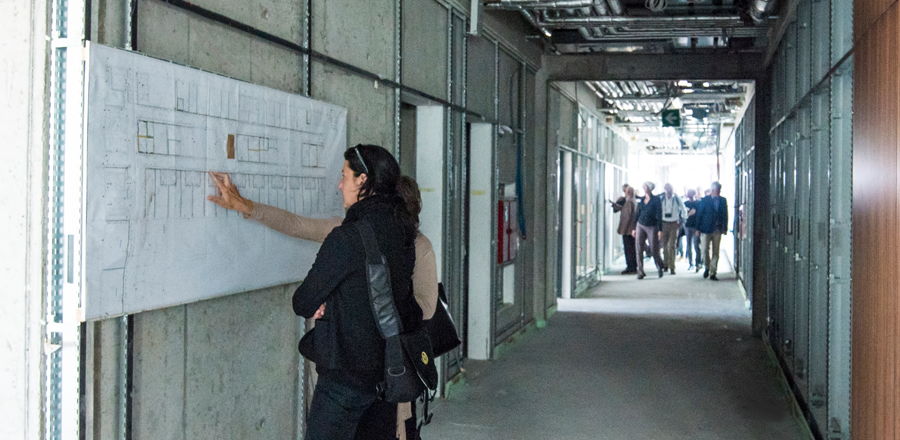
(481, 220)
(22, 177)
(537, 201)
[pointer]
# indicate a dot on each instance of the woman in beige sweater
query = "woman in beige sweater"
(425, 285)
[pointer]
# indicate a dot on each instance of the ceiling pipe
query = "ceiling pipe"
(534, 22)
(600, 7)
(509, 5)
(586, 34)
(534, 4)
(646, 21)
(616, 7)
(759, 10)
(663, 34)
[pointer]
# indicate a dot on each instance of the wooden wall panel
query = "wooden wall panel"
(866, 12)
(876, 225)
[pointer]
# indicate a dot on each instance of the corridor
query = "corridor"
(174, 167)
(653, 359)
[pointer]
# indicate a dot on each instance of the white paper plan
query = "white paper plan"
(153, 130)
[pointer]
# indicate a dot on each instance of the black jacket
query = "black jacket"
(650, 214)
(712, 218)
(346, 339)
(691, 221)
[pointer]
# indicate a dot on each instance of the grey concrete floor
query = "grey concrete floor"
(667, 358)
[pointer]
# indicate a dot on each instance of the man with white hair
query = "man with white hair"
(672, 217)
(712, 222)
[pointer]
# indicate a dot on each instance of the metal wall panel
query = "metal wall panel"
(818, 254)
(424, 59)
(457, 189)
(841, 29)
(804, 48)
(821, 39)
(808, 241)
(839, 252)
(480, 62)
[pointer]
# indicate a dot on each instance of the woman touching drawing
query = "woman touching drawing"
(371, 188)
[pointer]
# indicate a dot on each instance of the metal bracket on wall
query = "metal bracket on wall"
(64, 337)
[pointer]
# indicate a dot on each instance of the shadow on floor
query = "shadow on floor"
(667, 358)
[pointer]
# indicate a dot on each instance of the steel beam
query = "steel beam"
(610, 67)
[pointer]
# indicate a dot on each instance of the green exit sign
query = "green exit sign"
(671, 118)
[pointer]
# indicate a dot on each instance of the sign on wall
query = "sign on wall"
(153, 131)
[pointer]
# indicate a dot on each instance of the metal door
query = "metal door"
(457, 201)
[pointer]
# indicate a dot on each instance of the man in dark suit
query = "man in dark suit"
(712, 222)
(625, 207)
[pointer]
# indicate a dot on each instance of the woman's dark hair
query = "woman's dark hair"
(383, 178)
(409, 191)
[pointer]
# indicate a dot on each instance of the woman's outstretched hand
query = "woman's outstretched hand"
(229, 197)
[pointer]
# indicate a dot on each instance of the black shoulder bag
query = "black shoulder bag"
(441, 328)
(408, 358)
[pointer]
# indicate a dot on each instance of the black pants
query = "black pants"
(341, 410)
(412, 426)
(630, 253)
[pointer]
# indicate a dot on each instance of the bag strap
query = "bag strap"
(427, 415)
(378, 275)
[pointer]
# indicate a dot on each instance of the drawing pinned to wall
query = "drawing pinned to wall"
(153, 130)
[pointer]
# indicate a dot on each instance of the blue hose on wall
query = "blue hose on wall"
(520, 188)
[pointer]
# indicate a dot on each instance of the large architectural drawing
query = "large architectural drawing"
(153, 130)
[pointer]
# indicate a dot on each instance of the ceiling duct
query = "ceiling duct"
(534, 4)
(670, 34)
(690, 21)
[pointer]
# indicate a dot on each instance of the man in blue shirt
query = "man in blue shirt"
(712, 222)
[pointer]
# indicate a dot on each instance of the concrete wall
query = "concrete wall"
(22, 164)
(228, 367)
(425, 53)
(363, 37)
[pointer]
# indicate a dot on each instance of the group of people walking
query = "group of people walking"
(650, 222)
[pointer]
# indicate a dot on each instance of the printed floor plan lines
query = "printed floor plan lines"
(154, 131)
